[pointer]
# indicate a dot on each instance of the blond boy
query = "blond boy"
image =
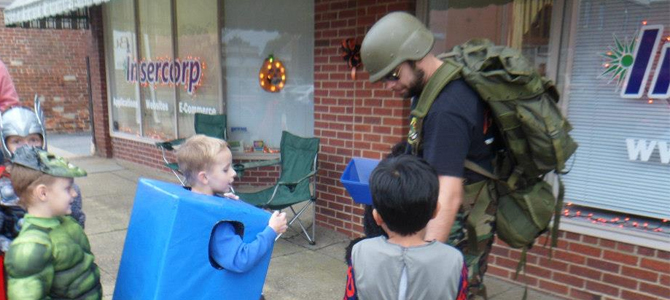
(51, 258)
(207, 165)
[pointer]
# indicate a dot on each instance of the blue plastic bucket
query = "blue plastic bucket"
(355, 179)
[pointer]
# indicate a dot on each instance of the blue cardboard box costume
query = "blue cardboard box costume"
(166, 252)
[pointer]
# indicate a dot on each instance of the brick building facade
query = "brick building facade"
(52, 64)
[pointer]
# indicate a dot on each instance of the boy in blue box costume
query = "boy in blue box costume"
(207, 164)
(196, 244)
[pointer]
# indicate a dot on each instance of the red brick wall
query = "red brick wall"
(588, 268)
(138, 152)
(263, 176)
(42, 58)
(353, 118)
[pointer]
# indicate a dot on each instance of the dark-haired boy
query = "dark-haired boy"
(404, 265)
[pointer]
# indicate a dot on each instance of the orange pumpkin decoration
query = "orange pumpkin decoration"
(272, 76)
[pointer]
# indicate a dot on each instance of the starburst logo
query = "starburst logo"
(630, 64)
(620, 60)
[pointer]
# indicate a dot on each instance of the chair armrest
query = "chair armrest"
(311, 174)
(169, 145)
(241, 167)
(257, 164)
(280, 183)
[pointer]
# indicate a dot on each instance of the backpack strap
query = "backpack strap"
(477, 212)
(447, 72)
(478, 169)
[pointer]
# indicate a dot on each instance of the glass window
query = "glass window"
(120, 41)
(169, 62)
(197, 39)
(252, 31)
(521, 24)
(158, 97)
(618, 106)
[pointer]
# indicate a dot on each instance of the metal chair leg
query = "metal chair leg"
(313, 220)
(296, 217)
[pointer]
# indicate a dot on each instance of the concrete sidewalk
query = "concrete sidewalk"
(297, 270)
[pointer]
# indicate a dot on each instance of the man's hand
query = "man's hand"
(450, 199)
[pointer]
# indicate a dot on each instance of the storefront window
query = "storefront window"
(252, 31)
(197, 39)
(618, 104)
(521, 24)
(178, 58)
(155, 33)
(120, 40)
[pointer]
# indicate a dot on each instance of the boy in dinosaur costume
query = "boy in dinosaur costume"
(51, 258)
(21, 126)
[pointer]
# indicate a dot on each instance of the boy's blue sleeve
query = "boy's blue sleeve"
(233, 254)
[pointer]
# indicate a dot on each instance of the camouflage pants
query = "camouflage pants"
(481, 218)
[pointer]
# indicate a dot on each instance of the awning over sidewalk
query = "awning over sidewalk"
(28, 10)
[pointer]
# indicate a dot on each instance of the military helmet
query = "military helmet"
(395, 38)
(22, 121)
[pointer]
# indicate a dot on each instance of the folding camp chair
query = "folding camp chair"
(297, 182)
(209, 125)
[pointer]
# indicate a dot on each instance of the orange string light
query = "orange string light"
(619, 222)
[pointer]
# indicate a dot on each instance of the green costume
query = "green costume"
(51, 259)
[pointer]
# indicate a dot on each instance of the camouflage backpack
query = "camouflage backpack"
(523, 105)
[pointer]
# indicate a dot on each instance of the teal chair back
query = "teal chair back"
(211, 125)
(298, 155)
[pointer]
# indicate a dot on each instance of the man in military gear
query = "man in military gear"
(51, 258)
(22, 126)
(396, 52)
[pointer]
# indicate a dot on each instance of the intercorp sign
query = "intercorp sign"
(188, 72)
(633, 68)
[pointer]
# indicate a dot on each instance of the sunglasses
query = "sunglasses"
(393, 76)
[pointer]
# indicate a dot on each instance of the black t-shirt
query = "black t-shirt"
(453, 130)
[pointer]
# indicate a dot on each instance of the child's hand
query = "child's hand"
(278, 222)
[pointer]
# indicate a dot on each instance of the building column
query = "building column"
(103, 141)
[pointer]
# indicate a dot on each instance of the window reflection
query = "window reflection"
(520, 24)
(284, 29)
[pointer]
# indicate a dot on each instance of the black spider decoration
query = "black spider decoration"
(351, 53)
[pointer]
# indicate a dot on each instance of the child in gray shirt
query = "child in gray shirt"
(404, 265)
